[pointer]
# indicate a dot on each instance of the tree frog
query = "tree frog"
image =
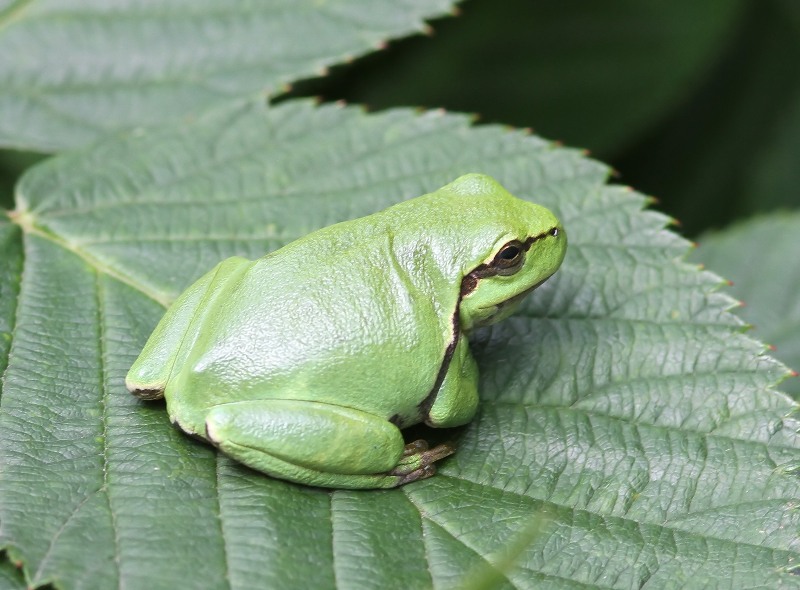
(306, 364)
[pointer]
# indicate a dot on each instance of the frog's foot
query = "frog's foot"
(319, 444)
(418, 460)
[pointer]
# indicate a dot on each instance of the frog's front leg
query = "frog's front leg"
(319, 444)
(457, 399)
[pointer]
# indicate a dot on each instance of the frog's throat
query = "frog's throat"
(499, 308)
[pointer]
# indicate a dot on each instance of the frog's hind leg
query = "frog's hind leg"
(148, 376)
(319, 444)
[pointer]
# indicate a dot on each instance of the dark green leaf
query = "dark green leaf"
(10, 577)
(774, 181)
(10, 268)
(593, 74)
(628, 432)
(731, 151)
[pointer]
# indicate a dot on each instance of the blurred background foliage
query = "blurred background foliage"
(695, 103)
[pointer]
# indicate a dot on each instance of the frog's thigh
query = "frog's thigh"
(148, 375)
(457, 399)
(308, 442)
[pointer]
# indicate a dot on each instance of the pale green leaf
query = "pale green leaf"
(760, 257)
(71, 70)
(628, 434)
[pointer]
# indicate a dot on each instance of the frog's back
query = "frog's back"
(336, 317)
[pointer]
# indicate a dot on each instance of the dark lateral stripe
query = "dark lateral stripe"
(426, 404)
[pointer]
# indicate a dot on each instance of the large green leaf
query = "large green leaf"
(70, 70)
(627, 436)
(760, 257)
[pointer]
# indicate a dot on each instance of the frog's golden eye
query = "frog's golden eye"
(509, 259)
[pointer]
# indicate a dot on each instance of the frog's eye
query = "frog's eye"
(509, 259)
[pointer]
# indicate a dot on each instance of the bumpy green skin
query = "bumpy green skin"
(305, 364)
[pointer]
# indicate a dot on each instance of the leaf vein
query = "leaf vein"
(104, 402)
(672, 530)
(36, 578)
(221, 521)
(665, 427)
(484, 559)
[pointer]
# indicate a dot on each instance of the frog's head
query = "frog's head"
(515, 247)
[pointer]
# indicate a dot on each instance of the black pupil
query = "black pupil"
(509, 253)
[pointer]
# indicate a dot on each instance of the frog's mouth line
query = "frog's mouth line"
(521, 295)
